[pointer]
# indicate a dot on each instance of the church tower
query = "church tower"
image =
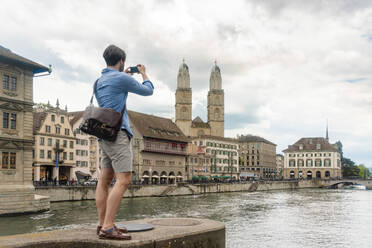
(183, 100)
(216, 104)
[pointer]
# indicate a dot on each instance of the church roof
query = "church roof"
(199, 123)
(156, 127)
(310, 144)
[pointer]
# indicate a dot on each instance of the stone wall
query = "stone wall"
(88, 192)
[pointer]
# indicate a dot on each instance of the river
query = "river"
(290, 218)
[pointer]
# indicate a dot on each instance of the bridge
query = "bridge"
(332, 183)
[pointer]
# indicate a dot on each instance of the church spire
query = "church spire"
(183, 77)
(327, 138)
(215, 80)
(57, 103)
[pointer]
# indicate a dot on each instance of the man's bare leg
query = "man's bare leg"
(105, 179)
(114, 199)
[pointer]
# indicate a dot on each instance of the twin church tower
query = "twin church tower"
(197, 127)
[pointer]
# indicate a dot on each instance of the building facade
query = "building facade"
(54, 149)
(279, 166)
(16, 137)
(198, 162)
(257, 157)
(159, 149)
(221, 155)
(312, 158)
(87, 151)
(183, 108)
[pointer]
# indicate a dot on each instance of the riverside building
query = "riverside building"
(279, 166)
(222, 155)
(17, 193)
(312, 158)
(198, 162)
(257, 157)
(159, 149)
(54, 148)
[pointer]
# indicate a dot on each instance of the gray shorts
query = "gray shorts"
(117, 155)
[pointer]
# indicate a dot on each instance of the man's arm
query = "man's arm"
(144, 89)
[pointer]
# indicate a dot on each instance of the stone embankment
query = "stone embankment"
(167, 233)
(65, 193)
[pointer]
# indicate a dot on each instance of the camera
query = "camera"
(133, 69)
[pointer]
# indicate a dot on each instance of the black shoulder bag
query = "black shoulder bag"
(104, 123)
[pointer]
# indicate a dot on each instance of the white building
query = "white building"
(312, 158)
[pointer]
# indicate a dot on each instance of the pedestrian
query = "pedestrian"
(112, 92)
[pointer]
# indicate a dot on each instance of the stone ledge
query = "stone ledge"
(174, 232)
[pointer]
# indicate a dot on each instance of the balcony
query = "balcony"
(165, 148)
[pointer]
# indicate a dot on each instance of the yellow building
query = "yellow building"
(16, 140)
(54, 148)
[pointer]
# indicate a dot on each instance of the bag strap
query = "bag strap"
(94, 92)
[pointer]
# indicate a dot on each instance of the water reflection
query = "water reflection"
(298, 218)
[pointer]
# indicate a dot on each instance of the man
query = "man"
(112, 92)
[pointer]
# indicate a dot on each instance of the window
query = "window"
(6, 82)
(49, 154)
(71, 156)
(13, 84)
(64, 155)
(13, 121)
(57, 142)
(5, 120)
(41, 141)
(67, 131)
(49, 141)
(47, 129)
(41, 153)
(77, 163)
(58, 130)
(5, 160)
(65, 143)
(71, 144)
(13, 156)
(53, 117)
(62, 119)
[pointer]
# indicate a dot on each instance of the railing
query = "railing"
(164, 150)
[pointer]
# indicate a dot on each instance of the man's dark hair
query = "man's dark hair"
(113, 54)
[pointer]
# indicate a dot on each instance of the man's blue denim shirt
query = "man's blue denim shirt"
(112, 92)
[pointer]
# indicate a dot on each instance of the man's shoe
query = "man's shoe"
(122, 230)
(114, 234)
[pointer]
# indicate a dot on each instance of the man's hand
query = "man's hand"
(142, 71)
(128, 71)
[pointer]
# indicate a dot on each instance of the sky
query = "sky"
(287, 66)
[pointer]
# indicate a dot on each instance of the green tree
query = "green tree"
(363, 171)
(349, 169)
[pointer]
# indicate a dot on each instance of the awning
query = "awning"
(163, 176)
(155, 176)
(172, 176)
(292, 173)
(309, 173)
(81, 175)
(180, 176)
(145, 176)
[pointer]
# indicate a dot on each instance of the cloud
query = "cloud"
(287, 66)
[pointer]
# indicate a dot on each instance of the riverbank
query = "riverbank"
(67, 193)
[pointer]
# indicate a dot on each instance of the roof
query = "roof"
(8, 56)
(39, 118)
(156, 127)
(198, 122)
(309, 144)
(216, 138)
(76, 116)
(253, 138)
